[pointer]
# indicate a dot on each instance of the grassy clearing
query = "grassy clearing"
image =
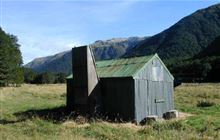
(30, 112)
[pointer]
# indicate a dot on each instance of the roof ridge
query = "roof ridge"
(125, 58)
(121, 64)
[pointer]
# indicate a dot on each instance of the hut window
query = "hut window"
(157, 73)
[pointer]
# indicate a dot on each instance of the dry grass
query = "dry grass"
(35, 90)
(26, 114)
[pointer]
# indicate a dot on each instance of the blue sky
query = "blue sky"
(46, 27)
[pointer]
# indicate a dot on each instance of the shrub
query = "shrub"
(205, 104)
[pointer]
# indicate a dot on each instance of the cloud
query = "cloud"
(44, 28)
(33, 47)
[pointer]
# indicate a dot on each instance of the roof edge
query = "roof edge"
(155, 56)
(164, 66)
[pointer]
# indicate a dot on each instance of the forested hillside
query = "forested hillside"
(213, 49)
(186, 38)
(190, 48)
(10, 60)
(204, 67)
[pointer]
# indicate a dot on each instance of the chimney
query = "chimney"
(85, 78)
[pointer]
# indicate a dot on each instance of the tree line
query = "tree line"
(33, 77)
(196, 70)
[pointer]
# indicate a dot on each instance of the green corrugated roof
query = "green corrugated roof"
(125, 67)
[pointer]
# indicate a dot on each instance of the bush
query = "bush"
(45, 78)
(205, 104)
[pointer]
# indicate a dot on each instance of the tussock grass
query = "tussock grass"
(205, 103)
(36, 112)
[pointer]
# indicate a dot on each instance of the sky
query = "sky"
(47, 27)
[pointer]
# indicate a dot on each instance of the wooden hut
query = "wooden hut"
(131, 88)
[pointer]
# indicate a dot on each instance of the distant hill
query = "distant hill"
(102, 49)
(60, 62)
(186, 38)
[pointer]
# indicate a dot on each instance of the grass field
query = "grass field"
(35, 112)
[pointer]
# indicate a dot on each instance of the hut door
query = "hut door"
(159, 99)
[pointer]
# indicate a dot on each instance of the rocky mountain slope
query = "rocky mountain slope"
(102, 49)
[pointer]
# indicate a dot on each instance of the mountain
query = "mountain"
(114, 48)
(204, 66)
(212, 50)
(60, 62)
(102, 49)
(186, 38)
(189, 48)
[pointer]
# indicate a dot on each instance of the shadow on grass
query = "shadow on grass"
(55, 115)
(3, 121)
(59, 115)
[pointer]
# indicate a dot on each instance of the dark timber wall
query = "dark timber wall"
(118, 97)
(70, 95)
(85, 88)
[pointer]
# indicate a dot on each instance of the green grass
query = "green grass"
(35, 112)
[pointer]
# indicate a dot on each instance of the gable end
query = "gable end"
(146, 66)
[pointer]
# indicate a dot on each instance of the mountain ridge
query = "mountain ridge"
(187, 37)
(102, 49)
(181, 42)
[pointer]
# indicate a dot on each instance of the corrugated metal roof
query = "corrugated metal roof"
(125, 67)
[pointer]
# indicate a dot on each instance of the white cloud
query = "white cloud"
(49, 28)
(35, 47)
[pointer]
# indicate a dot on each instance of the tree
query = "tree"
(205, 69)
(10, 60)
(44, 78)
(60, 78)
(29, 75)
